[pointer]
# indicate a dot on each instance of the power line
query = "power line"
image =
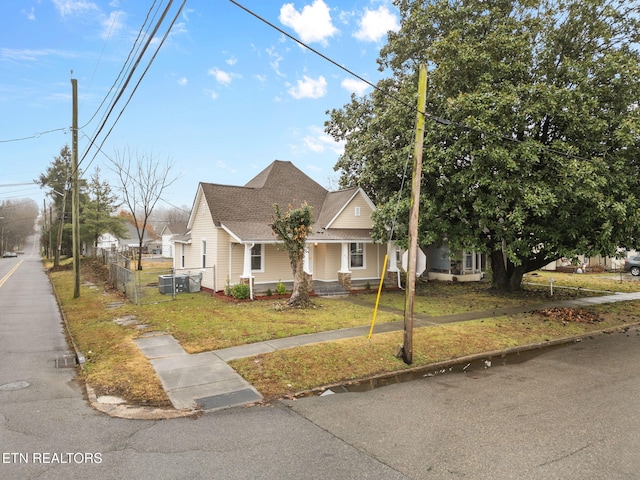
(35, 135)
(124, 65)
(434, 118)
(151, 37)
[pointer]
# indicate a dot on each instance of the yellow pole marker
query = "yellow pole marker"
(375, 310)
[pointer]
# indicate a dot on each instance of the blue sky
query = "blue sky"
(225, 96)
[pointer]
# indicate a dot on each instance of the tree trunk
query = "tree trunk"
(507, 277)
(300, 295)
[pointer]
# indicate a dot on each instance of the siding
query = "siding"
(347, 218)
(277, 266)
(202, 229)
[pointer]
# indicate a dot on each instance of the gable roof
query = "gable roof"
(176, 228)
(246, 212)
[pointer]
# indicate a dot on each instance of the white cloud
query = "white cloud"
(223, 166)
(183, 81)
(276, 58)
(231, 61)
(213, 95)
(112, 24)
(261, 78)
(74, 7)
(312, 24)
(222, 77)
(30, 14)
(354, 85)
(309, 88)
(318, 141)
(375, 24)
(27, 54)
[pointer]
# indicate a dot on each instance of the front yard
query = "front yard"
(201, 322)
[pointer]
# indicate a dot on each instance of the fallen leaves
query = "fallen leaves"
(576, 315)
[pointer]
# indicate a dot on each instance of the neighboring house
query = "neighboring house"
(167, 233)
(124, 244)
(596, 263)
(463, 266)
(230, 239)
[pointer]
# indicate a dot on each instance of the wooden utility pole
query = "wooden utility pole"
(75, 196)
(410, 292)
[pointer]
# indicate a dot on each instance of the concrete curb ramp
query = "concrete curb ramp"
(200, 381)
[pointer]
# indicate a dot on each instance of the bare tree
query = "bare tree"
(142, 183)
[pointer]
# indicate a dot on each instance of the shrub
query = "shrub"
(281, 289)
(240, 291)
(269, 292)
(227, 287)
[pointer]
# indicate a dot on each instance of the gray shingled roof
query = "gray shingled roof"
(247, 211)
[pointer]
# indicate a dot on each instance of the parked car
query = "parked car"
(632, 265)
(9, 254)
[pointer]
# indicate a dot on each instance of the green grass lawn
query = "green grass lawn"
(202, 322)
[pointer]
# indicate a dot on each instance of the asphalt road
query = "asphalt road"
(568, 413)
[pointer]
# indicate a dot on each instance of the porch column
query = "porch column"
(344, 274)
(247, 277)
(344, 259)
(393, 275)
(305, 261)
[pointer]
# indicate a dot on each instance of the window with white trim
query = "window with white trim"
(356, 255)
(256, 257)
(182, 255)
(357, 212)
(204, 254)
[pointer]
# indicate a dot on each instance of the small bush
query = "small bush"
(367, 286)
(240, 291)
(227, 287)
(269, 292)
(281, 289)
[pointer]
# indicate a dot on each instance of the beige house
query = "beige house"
(230, 240)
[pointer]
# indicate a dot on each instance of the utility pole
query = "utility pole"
(44, 215)
(75, 196)
(407, 349)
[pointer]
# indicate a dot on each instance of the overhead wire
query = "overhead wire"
(434, 118)
(134, 47)
(126, 83)
(35, 135)
(135, 88)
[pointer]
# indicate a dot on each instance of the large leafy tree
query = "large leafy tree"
(292, 228)
(57, 180)
(98, 210)
(533, 134)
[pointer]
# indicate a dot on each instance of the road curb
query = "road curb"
(445, 364)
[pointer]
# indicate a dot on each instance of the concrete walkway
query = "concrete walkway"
(206, 381)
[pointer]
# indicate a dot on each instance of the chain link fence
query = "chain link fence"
(151, 285)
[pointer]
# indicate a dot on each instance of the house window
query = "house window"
(356, 251)
(256, 257)
(182, 255)
(204, 253)
(357, 212)
(468, 261)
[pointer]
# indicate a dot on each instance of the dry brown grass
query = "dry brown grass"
(287, 372)
(200, 322)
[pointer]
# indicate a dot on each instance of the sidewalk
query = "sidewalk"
(206, 381)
